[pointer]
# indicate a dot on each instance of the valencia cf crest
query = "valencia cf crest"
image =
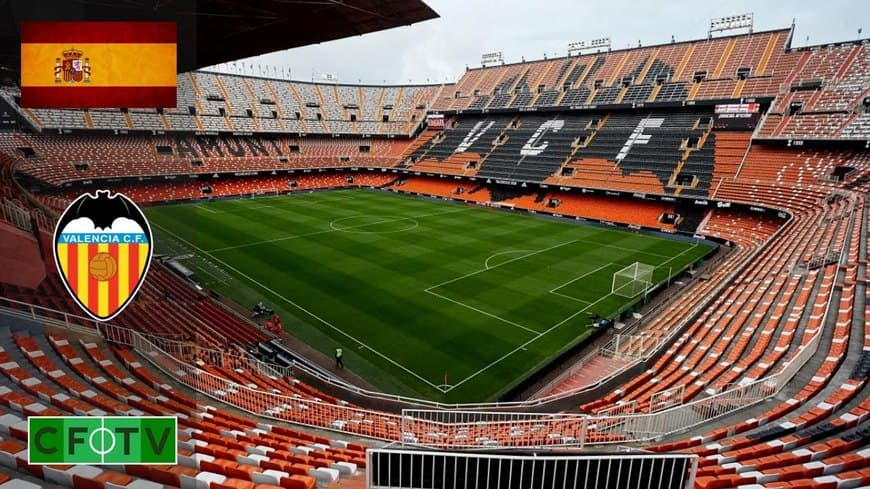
(102, 247)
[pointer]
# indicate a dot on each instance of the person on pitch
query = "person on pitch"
(339, 363)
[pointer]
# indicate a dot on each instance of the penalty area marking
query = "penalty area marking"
(429, 290)
(481, 311)
(527, 343)
(540, 335)
(554, 291)
(524, 346)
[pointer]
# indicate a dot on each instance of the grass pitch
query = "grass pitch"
(427, 298)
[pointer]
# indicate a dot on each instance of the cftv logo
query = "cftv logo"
(102, 440)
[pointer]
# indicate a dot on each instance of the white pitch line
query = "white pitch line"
(203, 207)
(471, 274)
(527, 343)
(560, 323)
(569, 297)
(598, 244)
(291, 199)
(506, 252)
(327, 231)
(297, 306)
(506, 321)
(678, 255)
(553, 291)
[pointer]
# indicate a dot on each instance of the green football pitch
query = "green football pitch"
(427, 298)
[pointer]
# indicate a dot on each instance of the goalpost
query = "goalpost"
(632, 280)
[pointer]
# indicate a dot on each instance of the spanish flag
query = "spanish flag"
(98, 64)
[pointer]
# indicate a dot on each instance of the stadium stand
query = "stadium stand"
(166, 307)
(214, 447)
(212, 102)
(723, 68)
(239, 186)
(672, 151)
(58, 160)
(826, 98)
(760, 368)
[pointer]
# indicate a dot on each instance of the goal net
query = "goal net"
(632, 280)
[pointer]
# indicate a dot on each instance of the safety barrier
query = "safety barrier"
(307, 411)
(410, 469)
(15, 214)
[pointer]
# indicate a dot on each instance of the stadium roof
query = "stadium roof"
(217, 31)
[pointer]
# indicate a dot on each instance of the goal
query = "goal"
(632, 280)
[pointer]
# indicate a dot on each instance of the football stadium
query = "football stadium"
(638, 266)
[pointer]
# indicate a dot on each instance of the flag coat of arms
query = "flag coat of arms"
(103, 247)
(98, 64)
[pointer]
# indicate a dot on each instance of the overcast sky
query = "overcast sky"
(438, 50)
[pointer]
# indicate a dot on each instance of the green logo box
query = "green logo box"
(116, 440)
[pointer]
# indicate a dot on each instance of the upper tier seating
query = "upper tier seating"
(533, 147)
(656, 153)
(221, 103)
(833, 83)
(655, 73)
(62, 159)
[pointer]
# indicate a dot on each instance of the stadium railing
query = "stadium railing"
(191, 349)
(29, 311)
(569, 429)
(15, 214)
(393, 467)
(71, 322)
(306, 412)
